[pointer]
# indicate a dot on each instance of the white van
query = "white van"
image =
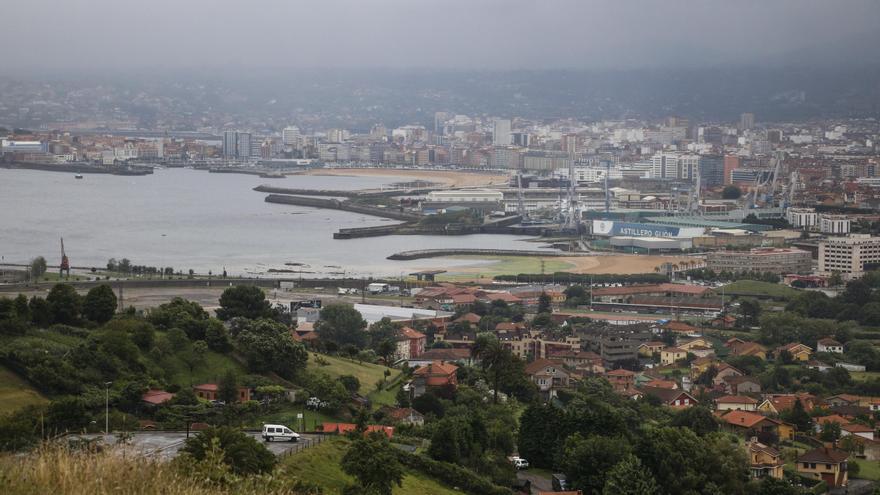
(279, 432)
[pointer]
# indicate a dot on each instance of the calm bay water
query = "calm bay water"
(193, 219)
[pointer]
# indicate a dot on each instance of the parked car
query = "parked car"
(519, 463)
(279, 432)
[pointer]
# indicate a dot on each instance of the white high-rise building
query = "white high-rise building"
(501, 132)
(850, 256)
(243, 145)
(290, 136)
(674, 166)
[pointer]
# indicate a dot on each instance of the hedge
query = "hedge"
(452, 475)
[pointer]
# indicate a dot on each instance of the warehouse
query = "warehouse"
(650, 245)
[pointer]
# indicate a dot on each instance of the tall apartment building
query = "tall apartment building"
(746, 121)
(240, 145)
(290, 136)
(681, 166)
(850, 256)
(501, 132)
(711, 170)
(802, 218)
(617, 343)
(766, 260)
(834, 224)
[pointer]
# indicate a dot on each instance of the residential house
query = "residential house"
(764, 461)
(739, 385)
(798, 351)
(735, 403)
(410, 344)
(155, 397)
(549, 375)
(662, 383)
(724, 371)
(471, 318)
(681, 327)
(749, 423)
(648, 349)
(857, 429)
(678, 399)
(740, 348)
(725, 321)
(700, 365)
(578, 359)
(437, 374)
(406, 415)
(829, 345)
(210, 391)
(688, 344)
(778, 403)
(621, 379)
(842, 400)
(671, 355)
(826, 464)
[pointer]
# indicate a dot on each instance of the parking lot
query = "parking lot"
(166, 444)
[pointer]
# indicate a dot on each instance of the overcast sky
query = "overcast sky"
(494, 34)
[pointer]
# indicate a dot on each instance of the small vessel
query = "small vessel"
(78, 176)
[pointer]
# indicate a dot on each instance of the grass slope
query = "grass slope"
(320, 464)
(210, 370)
(491, 266)
(15, 393)
(758, 289)
(368, 374)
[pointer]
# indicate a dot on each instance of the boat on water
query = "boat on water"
(78, 176)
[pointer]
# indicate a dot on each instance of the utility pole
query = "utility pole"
(107, 407)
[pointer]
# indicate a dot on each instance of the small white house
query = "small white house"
(829, 345)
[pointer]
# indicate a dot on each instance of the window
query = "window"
(827, 466)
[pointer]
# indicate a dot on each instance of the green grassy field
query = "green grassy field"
(758, 289)
(869, 470)
(490, 266)
(368, 374)
(15, 393)
(320, 464)
(863, 376)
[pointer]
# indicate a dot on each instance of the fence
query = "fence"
(303, 444)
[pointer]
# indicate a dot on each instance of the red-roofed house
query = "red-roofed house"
(621, 379)
(826, 464)
(435, 375)
(829, 345)
(156, 397)
(209, 391)
(410, 344)
(343, 428)
(548, 375)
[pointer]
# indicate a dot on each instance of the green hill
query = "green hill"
(320, 464)
(15, 393)
(368, 374)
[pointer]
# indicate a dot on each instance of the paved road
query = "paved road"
(540, 483)
(166, 445)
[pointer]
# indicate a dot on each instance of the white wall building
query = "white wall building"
(802, 218)
(834, 224)
(501, 132)
(849, 255)
(674, 166)
(466, 196)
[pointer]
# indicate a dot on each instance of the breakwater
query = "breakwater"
(433, 253)
(342, 194)
(336, 204)
(80, 168)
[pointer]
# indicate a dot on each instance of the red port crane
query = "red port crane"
(65, 263)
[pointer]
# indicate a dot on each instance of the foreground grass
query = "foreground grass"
(60, 471)
(368, 374)
(320, 464)
(869, 470)
(15, 393)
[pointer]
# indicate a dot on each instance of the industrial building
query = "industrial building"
(766, 260)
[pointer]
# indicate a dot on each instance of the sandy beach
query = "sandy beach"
(451, 178)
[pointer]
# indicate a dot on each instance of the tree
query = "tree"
(830, 431)
(544, 303)
(227, 388)
(750, 310)
(387, 349)
(374, 464)
(495, 360)
(629, 477)
(350, 382)
(65, 305)
(341, 324)
(38, 266)
(241, 452)
(268, 346)
(247, 301)
(697, 418)
(587, 460)
(41, 313)
(216, 336)
(835, 280)
(773, 486)
(798, 416)
(99, 305)
(731, 192)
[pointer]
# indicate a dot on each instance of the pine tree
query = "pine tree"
(629, 477)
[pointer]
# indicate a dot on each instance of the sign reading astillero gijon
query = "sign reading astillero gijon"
(612, 228)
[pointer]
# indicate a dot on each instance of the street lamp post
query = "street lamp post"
(107, 407)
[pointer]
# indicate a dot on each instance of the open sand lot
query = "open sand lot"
(452, 178)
